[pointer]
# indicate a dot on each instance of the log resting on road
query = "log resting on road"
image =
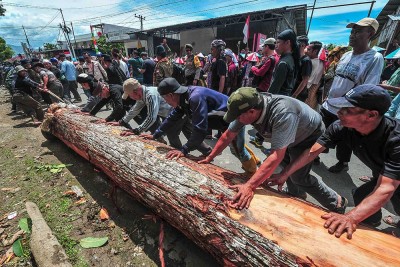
(275, 231)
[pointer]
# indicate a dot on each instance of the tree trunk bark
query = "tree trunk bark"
(275, 231)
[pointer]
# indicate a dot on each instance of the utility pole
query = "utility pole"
(141, 20)
(27, 41)
(66, 31)
(312, 13)
(73, 34)
(370, 9)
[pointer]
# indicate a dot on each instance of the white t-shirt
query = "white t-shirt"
(316, 73)
(353, 70)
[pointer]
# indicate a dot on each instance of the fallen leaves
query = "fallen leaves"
(25, 224)
(104, 214)
(11, 190)
(93, 242)
(7, 257)
(17, 248)
(53, 168)
(12, 239)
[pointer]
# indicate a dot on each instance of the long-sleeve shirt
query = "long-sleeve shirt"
(116, 97)
(265, 71)
(198, 103)
(156, 106)
(68, 69)
(283, 76)
(25, 85)
(94, 68)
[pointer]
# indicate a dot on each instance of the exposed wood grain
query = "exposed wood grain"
(275, 231)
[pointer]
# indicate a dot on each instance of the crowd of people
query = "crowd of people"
(301, 104)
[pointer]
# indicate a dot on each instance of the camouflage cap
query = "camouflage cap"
(242, 100)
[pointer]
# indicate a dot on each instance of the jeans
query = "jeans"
(301, 181)
(343, 152)
(364, 190)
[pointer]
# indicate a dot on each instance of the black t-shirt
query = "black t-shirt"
(305, 69)
(380, 150)
(218, 68)
(148, 66)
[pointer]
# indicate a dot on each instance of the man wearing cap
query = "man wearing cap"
(147, 69)
(49, 80)
(108, 93)
(362, 65)
(375, 140)
(68, 70)
(205, 108)
(145, 97)
(304, 72)
(163, 68)
(265, 69)
(23, 95)
(115, 74)
(192, 66)
(292, 127)
(283, 78)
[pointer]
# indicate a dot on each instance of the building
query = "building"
(389, 28)
(266, 23)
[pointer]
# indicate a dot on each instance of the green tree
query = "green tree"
(48, 46)
(106, 47)
(6, 51)
(2, 10)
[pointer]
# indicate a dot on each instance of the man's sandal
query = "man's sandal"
(392, 220)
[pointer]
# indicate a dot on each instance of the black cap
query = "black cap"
(366, 96)
(143, 53)
(84, 78)
(38, 64)
(287, 35)
(170, 85)
(107, 58)
(160, 51)
(25, 61)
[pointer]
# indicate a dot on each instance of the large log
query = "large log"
(275, 231)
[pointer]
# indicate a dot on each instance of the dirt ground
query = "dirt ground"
(30, 170)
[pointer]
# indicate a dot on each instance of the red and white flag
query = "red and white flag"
(246, 30)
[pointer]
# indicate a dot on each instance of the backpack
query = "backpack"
(178, 73)
(119, 71)
(258, 79)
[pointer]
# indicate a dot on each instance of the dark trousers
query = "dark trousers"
(185, 126)
(29, 105)
(343, 152)
(364, 190)
(71, 87)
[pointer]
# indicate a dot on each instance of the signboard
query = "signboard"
(258, 40)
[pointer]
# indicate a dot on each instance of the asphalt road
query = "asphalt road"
(342, 182)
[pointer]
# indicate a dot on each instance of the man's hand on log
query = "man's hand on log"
(339, 223)
(99, 121)
(175, 154)
(81, 112)
(277, 179)
(205, 161)
(243, 196)
(113, 123)
(130, 132)
(147, 136)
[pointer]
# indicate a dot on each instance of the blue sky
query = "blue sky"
(328, 25)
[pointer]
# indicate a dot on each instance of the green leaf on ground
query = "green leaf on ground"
(93, 242)
(17, 248)
(25, 224)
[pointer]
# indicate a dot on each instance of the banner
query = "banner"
(246, 30)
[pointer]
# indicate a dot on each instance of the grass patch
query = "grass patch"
(35, 182)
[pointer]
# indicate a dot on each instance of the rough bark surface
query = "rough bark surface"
(275, 231)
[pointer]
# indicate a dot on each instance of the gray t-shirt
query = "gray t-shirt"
(353, 70)
(284, 121)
